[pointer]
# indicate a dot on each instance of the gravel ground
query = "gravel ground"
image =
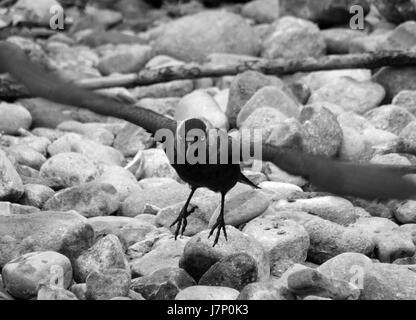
(76, 223)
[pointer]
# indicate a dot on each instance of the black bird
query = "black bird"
(218, 177)
(368, 181)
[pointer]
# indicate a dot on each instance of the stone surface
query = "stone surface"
(68, 170)
(396, 11)
(311, 282)
(11, 186)
(172, 191)
(90, 199)
(390, 118)
(36, 195)
(106, 253)
(207, 293)
(329, 239)
(199, 255)
(320, 131)
(395, 80)
(22, 275)
(261, 11)
(65, 232)
(14, 117)
(163, 284)
(265, 290)
(292, 38)
(325, 12)
(350, 94)
(384, 281)
(195, 36)
(241, 208)
(108, 284)
(233, 271)
(285, 241)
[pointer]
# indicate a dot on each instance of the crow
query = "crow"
(368, 181)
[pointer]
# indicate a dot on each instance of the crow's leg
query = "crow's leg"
(220, 224)
(183, 215)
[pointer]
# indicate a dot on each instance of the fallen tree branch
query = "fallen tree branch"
(270, 67)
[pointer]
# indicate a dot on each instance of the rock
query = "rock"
(275, 174)
(89, 199)
(369, 43)
(22, 275)
(67, 233)
(265, 290)
(154, 163)
(121, 179)
(173, 193)
(233, 271)
(68, 170)
(80, 290)
(406, 212)
(132, 139)
(26, 155)
(14, 117)
(293, 38)
(207, 293)
(279, 190)
(261, 11)
(285, 241)
(165, 253)
(347, 266)
(323, 12)
(35, 14)
(409, 229)
(98, 153)
(271, 97)
(186, 38)
(408, 136)
(390, 243)
(108, 284)
(241, 208)
(330, 208)
(406, 99)
(396, 11)
(47, 292)
(125, 59)
(128, 230)
(383, 281)
(171, 89)
(107, 253)
(11, 186)
(321, 133)
(92, 131)
(318, 79)
(338, 40)
(242, 88)
(64, 143)
(163, 284)
(199, 255)
(390, 118)
(329, 239)
(165, 106)
(353, 146)
(351, 95)
(39, 144)
(207, 109)
(401, 38)
(264, 118)
(36, 195)
(312, 282)
(395, 80)
(8, 208)
(391, 159)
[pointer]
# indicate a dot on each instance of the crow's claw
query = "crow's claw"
(181, 220)
(220, 224)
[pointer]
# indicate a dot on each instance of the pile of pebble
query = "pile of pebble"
(75, 223)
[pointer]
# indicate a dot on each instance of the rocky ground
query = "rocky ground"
(76, 223)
